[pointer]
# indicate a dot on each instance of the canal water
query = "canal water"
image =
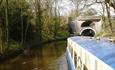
(50, 56)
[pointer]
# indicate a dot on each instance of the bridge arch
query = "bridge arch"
(88, 31)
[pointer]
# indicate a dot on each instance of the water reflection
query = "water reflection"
(47, 57)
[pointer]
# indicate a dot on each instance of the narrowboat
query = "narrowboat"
(89, 53)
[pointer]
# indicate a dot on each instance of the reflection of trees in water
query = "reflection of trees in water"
(47, 56)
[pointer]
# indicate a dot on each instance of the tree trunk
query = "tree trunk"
(26, 30)
(103, 16)
(55, 19)
(1, 46)
(22, 39)
(109, 16)
(7, 26)
(22, 27)
(38, 20)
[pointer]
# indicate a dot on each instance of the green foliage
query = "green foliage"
(16, 9)
(57, 25)
(42, 23)
(18, 12)
(14, 45)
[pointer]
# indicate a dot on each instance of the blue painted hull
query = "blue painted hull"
(69, 59)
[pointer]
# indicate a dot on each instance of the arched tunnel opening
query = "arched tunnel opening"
(87, 32)
(87, 23)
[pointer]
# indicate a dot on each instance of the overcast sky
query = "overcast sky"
(65, 7)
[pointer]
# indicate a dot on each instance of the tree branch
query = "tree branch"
(112, 4)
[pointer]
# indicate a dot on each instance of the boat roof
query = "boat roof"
(102, 49)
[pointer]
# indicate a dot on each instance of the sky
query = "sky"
(99, 9)
(65, 7)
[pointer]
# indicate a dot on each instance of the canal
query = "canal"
(50, 56)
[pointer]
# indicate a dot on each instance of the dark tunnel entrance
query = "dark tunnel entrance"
(87, 23)
(88, 32)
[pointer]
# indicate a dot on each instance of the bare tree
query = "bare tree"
(82, 4)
